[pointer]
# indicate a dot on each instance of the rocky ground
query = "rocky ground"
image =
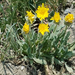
(26, 69)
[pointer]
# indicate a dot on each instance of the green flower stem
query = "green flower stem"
(55, 28)
(65, 28)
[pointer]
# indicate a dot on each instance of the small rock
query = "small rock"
(73, 74)
(70, 1)
(17, 67)
(67, 11)
(73, 26)
(73, 4)
(10, 64)
(22, 67)
(74, 67)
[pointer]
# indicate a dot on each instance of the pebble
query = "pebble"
(74, 67)
(22, 67)
(17, 67)
(67, 11)
(73, 74)
(73, 26)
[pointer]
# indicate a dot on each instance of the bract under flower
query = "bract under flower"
(43, 28)
(56, 17)
(69, 18)
(42, 12)
(26, 28)
(30, 16)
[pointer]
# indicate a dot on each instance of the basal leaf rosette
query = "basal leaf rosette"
(30, 16)
(43, 28)
(42, 12)
(26, 28)
(56, 17)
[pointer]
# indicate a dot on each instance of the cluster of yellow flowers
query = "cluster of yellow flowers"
(42, 13)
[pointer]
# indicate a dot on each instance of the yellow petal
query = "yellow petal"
(52, 18)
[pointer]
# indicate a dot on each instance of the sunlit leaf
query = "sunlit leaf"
(69, 69)
(40, 61)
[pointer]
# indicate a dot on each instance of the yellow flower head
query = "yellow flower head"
(26, 28)
(43, 28)
(56, 17)
(69, 18)
(42, 12)
(30, 16)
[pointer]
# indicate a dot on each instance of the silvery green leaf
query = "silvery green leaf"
(40, 61)
(69, 69)
(26, 18)
(72, 48)
(58, 61)
(73, 53)
(59, 27)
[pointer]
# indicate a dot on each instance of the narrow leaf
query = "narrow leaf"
(69, 69)
(40, 61)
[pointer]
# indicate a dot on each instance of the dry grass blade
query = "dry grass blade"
(47, 70)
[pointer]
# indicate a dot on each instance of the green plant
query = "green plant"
(52, 46)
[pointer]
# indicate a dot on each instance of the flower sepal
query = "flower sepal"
(67, 23)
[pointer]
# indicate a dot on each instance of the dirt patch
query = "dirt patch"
(22, 69)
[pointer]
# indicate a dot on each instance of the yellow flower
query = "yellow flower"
(43, 28)
(69, 18)
(42, 12)
(56, 17)
(26, 28)
(30, 16)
